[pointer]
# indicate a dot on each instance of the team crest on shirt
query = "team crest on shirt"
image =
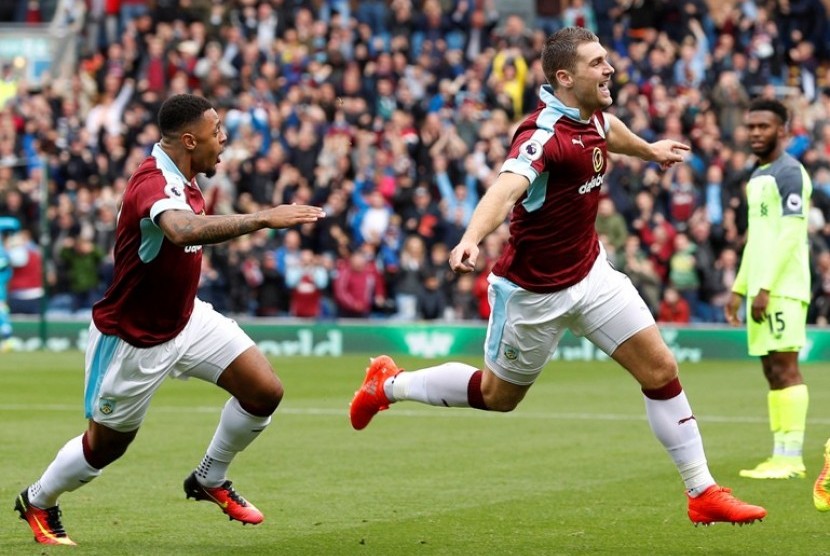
(599, 161)
(510, 352)
(106, 405)
(531, 149)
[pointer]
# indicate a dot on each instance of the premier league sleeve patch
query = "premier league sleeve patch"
(793, 204)
(175, 191)
(531, 150)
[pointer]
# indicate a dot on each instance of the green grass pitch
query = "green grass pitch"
(574, 470)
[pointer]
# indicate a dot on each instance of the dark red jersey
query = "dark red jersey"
(154, 287)
(553, 241)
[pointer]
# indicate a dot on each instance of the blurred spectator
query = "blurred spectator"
(408, 280)
(509, 76)
(307, 282)
(714, 195)
(726, 268)
(673, 308)
(432, 302)
(683, 276)
(212, 286)
(611, 224)
(684, 196)
(7, 226)
(480, 23)
(439, 254)
(633, 261)
(271, 292)
(372, 216)
(580, 13)
(82, 259)
(8, 83)
(464, 305)
(289, 254)
(690, 68)
(26, 288)
(358, 287)
(423, 217)
(820, 310)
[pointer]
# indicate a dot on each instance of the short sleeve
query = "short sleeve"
(171, 197)
(790, 182)
(528, 154)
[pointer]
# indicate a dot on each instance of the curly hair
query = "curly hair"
(770, 105)
(180, 110)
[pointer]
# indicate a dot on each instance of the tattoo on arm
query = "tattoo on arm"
(191, 229)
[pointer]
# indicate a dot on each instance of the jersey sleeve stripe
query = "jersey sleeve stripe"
(515, 166)
(167, 204)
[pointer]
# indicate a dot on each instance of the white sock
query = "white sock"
(444, 385)
(67, 472)
(675, 427)
(237, 429)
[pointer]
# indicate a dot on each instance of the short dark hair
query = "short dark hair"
(770, 105)
(180, 110)
(559, 51)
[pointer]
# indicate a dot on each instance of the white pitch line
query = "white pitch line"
(427, 412)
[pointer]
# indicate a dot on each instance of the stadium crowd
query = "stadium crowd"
(395, 116)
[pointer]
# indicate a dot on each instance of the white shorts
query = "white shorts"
(525, 327)
(121, 378)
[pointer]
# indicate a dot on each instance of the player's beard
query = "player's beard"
(210, 173)
(765, 152)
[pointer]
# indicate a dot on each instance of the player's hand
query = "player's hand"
(667, 152)
(463, 257)
(730, 310)
(759, 306)
(286, 216)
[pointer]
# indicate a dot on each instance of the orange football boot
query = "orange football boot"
(717, 504)
(45, 523)
(224, 496)
(371, 398)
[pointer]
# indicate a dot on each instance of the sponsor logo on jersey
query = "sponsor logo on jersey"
(592, 183)
(578, 141)
(599, 161)
(192, 248)
(531, 149)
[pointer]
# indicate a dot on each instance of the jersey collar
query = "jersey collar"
(166, 163)
(553, 103)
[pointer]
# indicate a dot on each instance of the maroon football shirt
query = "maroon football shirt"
(154, 287)
(553, 241)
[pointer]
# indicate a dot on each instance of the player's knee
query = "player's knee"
(264, 401)
(100, 450)
(501, 403)
(664, 369)
(783, 375)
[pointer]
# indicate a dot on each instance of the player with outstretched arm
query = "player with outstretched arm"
(150, 325)
(553, 275)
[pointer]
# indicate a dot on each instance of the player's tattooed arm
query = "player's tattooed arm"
(186, 228)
